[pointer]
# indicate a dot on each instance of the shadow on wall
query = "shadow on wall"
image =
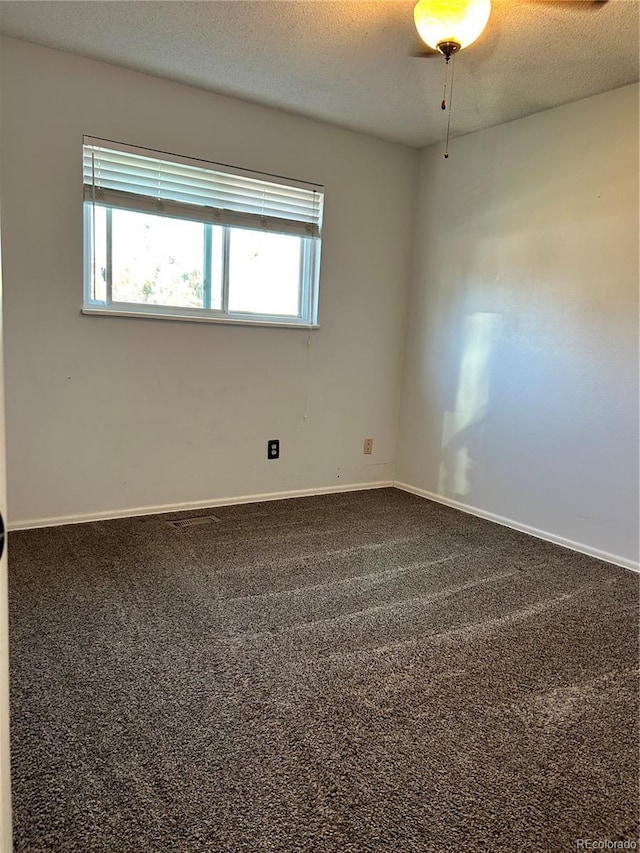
(462, 428)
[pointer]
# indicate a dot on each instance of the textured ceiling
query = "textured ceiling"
(349, 63)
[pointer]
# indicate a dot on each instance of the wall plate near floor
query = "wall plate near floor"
(273, 448)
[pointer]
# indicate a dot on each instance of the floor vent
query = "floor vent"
(179, 523)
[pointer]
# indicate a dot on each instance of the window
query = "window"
(170, 237)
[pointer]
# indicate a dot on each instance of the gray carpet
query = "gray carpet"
(357, 672)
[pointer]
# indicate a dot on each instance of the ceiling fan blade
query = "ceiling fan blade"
(578, 5)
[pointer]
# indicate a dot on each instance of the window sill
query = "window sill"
(227, 321)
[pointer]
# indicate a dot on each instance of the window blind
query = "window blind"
(136, 179)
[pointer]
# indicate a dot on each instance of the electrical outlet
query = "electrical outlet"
(273, 448)
(368, 446)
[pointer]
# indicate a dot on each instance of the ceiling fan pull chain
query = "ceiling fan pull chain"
(453, 71)
(443, 105)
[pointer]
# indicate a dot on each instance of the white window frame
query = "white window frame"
(207, 216)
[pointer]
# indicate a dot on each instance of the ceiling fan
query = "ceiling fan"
(427, 11)
(448, 26)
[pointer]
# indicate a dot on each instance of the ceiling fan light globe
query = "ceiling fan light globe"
(459, 21)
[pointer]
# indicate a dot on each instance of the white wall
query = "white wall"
(520, 387)
(111, 414)
(520, 390)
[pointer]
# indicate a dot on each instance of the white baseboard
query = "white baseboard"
(82, 518)
(523, 528)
